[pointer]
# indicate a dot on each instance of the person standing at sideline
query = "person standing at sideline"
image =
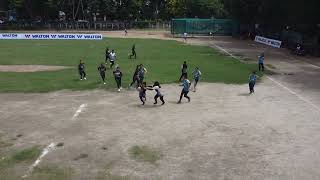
(252, 81)
(196, 76)
(113, 57)
(102, 69)
(261, 62)
(81, 69)
(117, 76)
(184, 71)
(133, 52)
(185, 90)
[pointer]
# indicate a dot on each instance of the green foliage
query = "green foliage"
(274, 11)
(197, 8)
(26, 154)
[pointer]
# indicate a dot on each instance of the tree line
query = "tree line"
(118, 9)
(245, 11)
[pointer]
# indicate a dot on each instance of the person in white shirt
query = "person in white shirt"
(112, 57)
(185, 35)
(156, 86)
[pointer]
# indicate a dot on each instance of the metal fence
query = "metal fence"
(203, 26)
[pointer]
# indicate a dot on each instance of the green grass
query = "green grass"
(162, 59)
(144, 153)
(25, 155)
(8, 163)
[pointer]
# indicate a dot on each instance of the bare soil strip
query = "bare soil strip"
(30, 68)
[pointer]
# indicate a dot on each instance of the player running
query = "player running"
(113, 57)
(133, 52)
(117, 76)
(107, 54)
(135, 77)
(156, 86)
(141, 73)
(82, 72)
(102, 69)
(196, 76)
(185, 90)
(184, 71)
(142, 92)
(252, 81)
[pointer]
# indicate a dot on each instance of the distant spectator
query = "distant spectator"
(261, 62)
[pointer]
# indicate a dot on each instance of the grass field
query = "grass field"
(161, 58)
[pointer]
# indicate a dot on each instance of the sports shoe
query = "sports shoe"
(80, 79)
(120, 87)
(85, 78)
(104, 83)
(118, 90)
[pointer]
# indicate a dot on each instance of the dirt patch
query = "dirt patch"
(30, 68)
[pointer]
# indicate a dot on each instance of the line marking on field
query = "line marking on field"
(79, 110)
(276, 82)
(294, 93)
(45, 151)
(222, 49)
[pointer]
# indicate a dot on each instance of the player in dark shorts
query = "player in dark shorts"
(185, 90)
(135, 77)
(117, 76)
(196, 76)
(112, 57)
(133, 52)
(142, 71)
(184, 71)
(142, 92)
(156, 86)
(81, 69)
(107, 54)
(102, 69)
(252, 81)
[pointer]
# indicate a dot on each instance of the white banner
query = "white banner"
(51, 36)
(267, 41)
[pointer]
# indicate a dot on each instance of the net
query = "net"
(202, 26)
